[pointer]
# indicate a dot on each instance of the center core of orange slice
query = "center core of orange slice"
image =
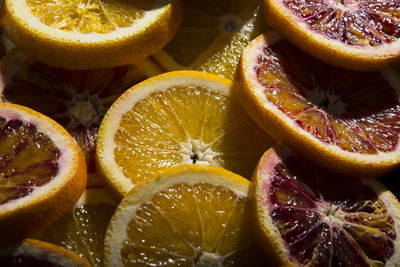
(28, 159)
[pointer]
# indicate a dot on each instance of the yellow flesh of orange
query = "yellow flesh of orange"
(187, 224)
(184, 125)
(96, 16)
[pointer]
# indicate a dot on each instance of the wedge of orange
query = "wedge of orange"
(77, 99)
(185, 216)
(361, 35)
(82, 230)
(42, 171)
(32, 252)
(345, 120)
(182, 117)
(90, 34)
(212, 36)
(309, 216)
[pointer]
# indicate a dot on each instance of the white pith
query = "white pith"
(134, 95)
(250, 60)
(67, 162)
(329, 212)
(117, 230)
(23, 14)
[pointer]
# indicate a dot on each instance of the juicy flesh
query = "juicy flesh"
(28, 159)
(334, 221)
(81, 231)
(357, 111)
(187, 225)
(213, 34)
(76, 99)
(89, 16)
(355, 22)
(187, 125)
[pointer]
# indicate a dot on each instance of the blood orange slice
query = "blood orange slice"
(334, 221)
(42, 171)
(36, 253)
(342, 119)
(361, 34)
(77, 99)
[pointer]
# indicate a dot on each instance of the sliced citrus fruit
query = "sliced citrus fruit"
(32, 252)
(185, 216)
(212, 36)
(180, 117)
(77, 99)
(83, 229)
(345, 120)
(361, 35)
(42, 171)
(90, 34)
(313, 217)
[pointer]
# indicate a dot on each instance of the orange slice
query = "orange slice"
(362, 35)
(309, 216)
(212, 36)
(42, 171)
(82, 230)
(77, 99)
(90, 34)
(345, 120)
(188, 216)
(182, 117)
(32, 252)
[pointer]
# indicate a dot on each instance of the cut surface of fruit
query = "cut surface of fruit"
(85, 35)
(360, 34)
(82, 230)
(32, 252)
(187, 215)
(42, 171)
(312, 217)
(77, 99)
(183, 117)
(342, 119)
(212, 36)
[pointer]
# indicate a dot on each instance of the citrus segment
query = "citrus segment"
(42, 171)
(187, 215)
(82, 230)
(177, 118)
(334, 221)
(355, 34)
(212, 36)
(90, 34)
(32, 252)
(77, 99)
(343, 119)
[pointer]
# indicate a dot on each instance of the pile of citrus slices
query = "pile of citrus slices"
(199, 133)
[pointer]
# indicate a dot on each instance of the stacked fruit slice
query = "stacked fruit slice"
(90, 34)
(212, 36)
(345, 120)
(42, 171)
(182, 117)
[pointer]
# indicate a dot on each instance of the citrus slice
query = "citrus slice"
(83, 229)
(77, 99)
(344, 120)
(186, 215)
(362, 34)
(182, 117)
(32, 252)
(42, 171)
(313, 217)
(212, 36)
(90, 34)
